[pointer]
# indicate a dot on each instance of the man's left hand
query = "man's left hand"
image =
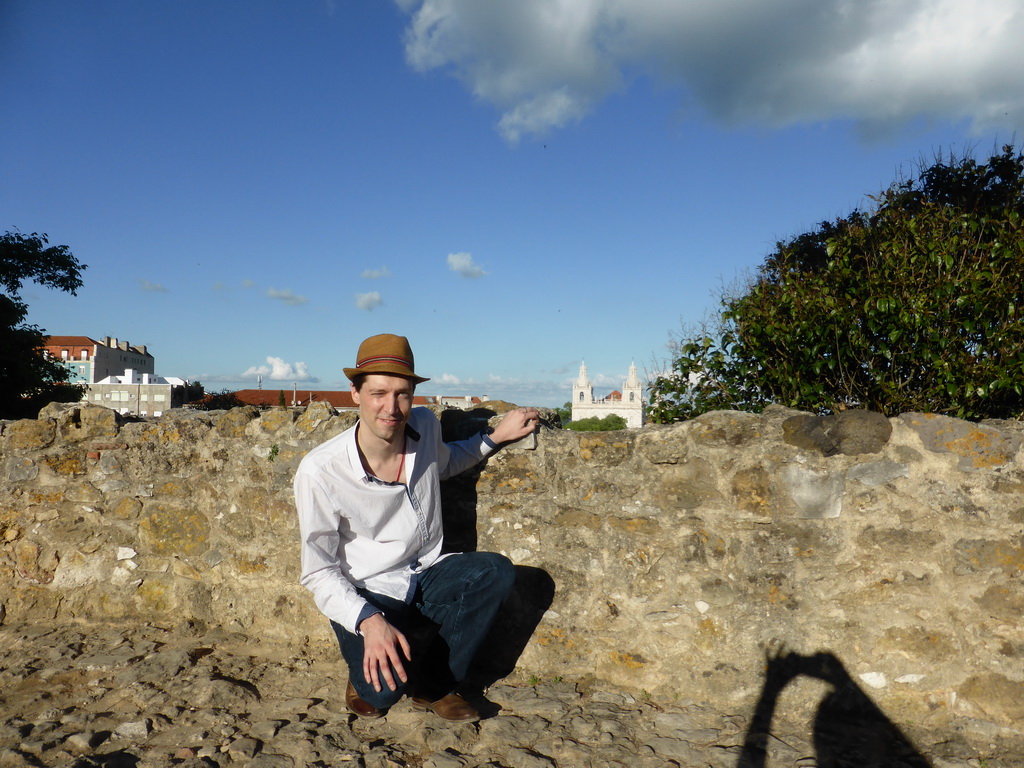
(516, 425)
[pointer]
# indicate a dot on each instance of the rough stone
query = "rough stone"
(1002, 601)
(859, 432)
(689, 484)
(135, 730)
(752, 490)
(273, 421)
(19, 470)
(657, 570)
(676, 749)
(233, 422)
(997, 696)
(815, 494)
(878, 472)
(29, 434)
(992, 555)
(172, 530)
(77, 423)
(978, 446)
(850, 433)
(312, 417)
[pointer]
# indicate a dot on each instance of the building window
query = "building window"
(632, 396)
(581, 397)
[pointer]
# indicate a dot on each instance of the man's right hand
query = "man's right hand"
(383, 648)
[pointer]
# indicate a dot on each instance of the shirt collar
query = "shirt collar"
(357, 463)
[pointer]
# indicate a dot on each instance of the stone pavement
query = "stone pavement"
(91, 696)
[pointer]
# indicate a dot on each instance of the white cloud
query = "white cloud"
(277, 369)
(248, 284)
(605, 381)
(152, 287)
(368, 301)
(463, 264)
(376, 274)
(447, 380)
(286, 296)
(545, 64)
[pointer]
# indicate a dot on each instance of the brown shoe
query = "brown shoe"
(357, 706)
(451, 707)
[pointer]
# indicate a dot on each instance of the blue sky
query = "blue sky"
(257, 186)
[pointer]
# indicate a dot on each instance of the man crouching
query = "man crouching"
(369, 508)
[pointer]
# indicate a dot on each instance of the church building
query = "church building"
(629, 403)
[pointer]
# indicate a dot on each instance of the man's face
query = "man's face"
(384, 405)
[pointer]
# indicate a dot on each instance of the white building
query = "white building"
(629, 403)
(91, 361)
(138, 394)
(465, 402)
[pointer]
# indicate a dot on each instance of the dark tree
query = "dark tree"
(224, 400)
(28, 379)
(564, 413)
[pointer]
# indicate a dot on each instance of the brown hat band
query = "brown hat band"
(384, 359)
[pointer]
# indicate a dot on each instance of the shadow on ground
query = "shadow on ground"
(850, 731)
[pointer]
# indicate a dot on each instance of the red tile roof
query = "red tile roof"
(56, 342)
(70, 341)
(272, 397)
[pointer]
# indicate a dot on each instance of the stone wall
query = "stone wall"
(670, 560)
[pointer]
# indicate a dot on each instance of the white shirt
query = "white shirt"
(359, 531)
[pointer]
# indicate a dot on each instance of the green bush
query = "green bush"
(915, 306)
(607, 423)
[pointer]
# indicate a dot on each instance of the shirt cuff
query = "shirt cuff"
(368, 611)
(488, 442)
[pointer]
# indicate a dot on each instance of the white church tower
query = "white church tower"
(633, 392)
(582, 391)
(629, 404)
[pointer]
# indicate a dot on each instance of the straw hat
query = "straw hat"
(385, 353)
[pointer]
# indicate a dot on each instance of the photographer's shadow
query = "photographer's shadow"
(850, 731)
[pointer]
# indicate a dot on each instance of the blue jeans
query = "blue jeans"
(459, 597)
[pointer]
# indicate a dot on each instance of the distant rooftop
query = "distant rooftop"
(266, 398)
(70, 341)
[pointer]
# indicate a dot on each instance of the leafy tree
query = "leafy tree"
(28, 379)
(607, 423)
(913, 306)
